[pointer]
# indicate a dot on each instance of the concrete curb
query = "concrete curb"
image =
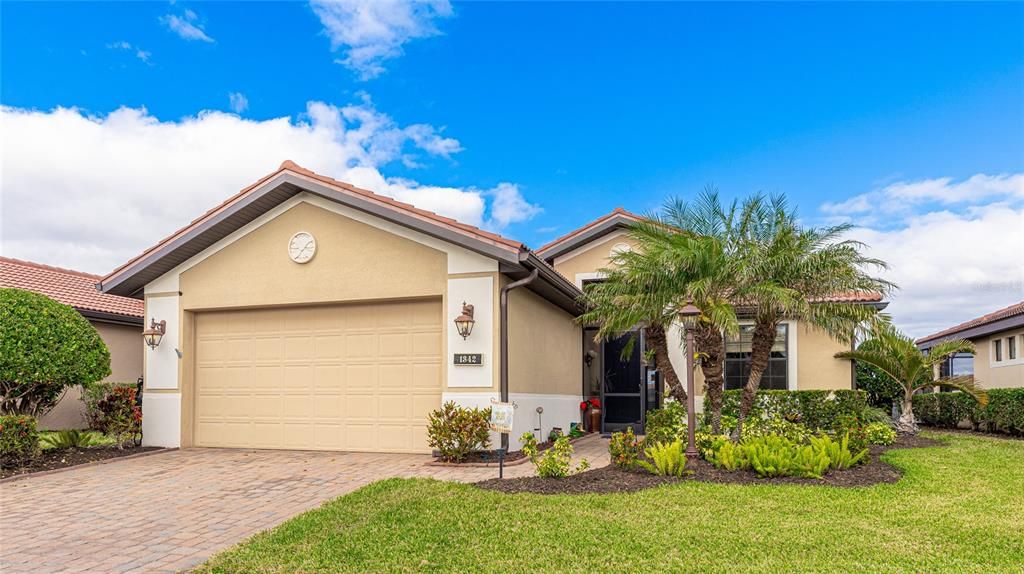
(17, 477)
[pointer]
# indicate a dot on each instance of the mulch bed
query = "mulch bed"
(610, 479)
(57, 459)
(491, 457)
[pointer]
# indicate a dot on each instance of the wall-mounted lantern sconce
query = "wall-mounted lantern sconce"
(589, 357)
(154, 333)
(464, 322)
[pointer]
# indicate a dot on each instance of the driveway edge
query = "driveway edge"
(17, 477)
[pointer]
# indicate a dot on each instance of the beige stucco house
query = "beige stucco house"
(802, 359)
(306, 313)
(118, 320)
(999, 341)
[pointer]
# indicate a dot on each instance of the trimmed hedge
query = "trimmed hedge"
(817, 410)
(1003, 413)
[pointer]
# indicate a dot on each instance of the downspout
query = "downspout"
(503, 304)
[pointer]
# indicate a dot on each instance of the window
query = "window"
(737, 360)
(997, 350)
(1011, 347)
(957, 365)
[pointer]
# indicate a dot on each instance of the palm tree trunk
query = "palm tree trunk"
(655, 338)
(760, 352)
(711, 346)
(907, 423)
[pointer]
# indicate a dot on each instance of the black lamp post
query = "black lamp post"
(689, 315)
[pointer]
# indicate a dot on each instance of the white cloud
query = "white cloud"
(238, 102)
(952, 264)
(128, 47)
(370, 32)
(186, 26)
(89, 192)
(903, 196)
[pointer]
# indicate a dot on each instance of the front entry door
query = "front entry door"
(623, 387)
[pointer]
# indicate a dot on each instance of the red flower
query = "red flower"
(584, 405)
(595, 402)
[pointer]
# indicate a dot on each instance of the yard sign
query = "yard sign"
(501, 417)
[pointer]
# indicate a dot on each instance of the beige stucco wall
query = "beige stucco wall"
(125, 346)
(999, 376)
(591, 257)
(545, 347)
(817, 367)
(353, 262)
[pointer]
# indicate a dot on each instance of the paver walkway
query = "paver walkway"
(171, 511)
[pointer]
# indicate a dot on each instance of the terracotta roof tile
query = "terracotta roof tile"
(73, 288)
(598, 221)
(289, 165)
(1004, 313)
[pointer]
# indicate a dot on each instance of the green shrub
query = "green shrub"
(709, 443)
(667, 424)
(880, 433)
(667, 459)
(729, 456)
(65, 439)
(45, 348)
(944, 410)
(122, 417)
(92, 394)
(810, 462)
(554, 462)
(770, 456)
(19, 440)
(793, 432)
(456, 431)
(838, 452)
(1003, 413)
(816, 410)
(625, 449)
(853, 428)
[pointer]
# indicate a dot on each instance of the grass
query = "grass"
(959, 508)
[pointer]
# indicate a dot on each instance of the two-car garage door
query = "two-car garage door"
(359, 377)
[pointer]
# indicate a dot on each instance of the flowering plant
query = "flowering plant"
(584, 405)
(595, 403)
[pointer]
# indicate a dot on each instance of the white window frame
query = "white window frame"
(1007, 361)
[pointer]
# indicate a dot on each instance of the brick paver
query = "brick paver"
(171, 511)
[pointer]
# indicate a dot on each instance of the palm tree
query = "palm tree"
(683, 256)
(792, 272)
(896, 356)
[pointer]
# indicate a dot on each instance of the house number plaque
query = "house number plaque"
(469, 359)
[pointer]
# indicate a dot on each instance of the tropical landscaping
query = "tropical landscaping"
(950, 512)
(48, 348)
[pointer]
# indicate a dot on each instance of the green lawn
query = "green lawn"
(959, 508)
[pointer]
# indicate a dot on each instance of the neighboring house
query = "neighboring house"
(802, 359)
(999, 340)
(306, 313)
(117, 319)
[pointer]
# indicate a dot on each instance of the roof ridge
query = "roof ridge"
(992, 316)
(289, 165)
(617, 211)
(14, 261)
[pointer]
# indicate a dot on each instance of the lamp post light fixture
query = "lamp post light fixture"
(464, 322)
(689, 315)
(154, 333)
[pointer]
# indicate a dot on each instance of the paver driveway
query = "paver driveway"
(169, 512)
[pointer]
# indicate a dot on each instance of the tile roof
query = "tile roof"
(1004, 313)
(618, 211)
(289, 165)
(854, 297)
(73, 288)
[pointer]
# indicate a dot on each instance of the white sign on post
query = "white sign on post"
(501, 417)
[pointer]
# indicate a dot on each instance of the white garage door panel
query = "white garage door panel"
(344, 377)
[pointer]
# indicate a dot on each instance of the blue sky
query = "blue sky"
(575, 108)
